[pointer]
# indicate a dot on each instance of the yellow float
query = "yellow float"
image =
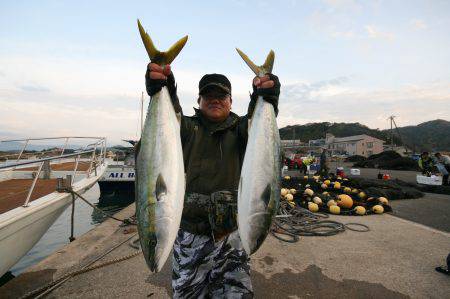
(383, 200)
(317, 200)
(378, 209)
(335, 210)
(309, 192)
(360, 210)
(345, 201)
(313, 207)
(331, 203)
(289, 197)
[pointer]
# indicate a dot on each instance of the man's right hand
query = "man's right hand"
(156, 77)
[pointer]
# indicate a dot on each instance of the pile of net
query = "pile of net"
(343, 196)
(385, 160)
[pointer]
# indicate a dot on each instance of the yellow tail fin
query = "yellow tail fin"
(158, 57)
(259, 70)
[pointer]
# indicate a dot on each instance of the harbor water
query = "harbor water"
(86, 218)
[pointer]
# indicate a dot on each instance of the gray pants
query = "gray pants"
(204, 269)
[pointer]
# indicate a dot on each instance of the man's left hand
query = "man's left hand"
(268, 87)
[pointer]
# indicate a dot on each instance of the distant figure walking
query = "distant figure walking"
(444, 166)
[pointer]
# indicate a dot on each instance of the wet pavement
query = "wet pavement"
(396, 259)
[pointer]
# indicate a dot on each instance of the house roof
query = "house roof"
(353, 138)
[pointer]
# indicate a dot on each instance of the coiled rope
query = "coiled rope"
(292, 222)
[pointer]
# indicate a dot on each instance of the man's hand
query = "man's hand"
(156, 77)
(269, 88)
(263, 82)
(157, 72)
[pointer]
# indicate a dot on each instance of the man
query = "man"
(208, 258)
(323, 163)
(444, 162)
(426, 163)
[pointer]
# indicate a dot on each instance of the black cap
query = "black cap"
(218, 81)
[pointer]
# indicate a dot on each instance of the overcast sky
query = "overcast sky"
(77, 67)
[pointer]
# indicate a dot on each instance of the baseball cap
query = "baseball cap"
(214, 81)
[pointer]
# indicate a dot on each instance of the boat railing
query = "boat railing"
(65, 138)
(95, 153)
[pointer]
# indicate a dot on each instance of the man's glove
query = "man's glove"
(270, 95)
(155, 85)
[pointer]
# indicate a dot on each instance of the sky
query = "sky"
(77, 67)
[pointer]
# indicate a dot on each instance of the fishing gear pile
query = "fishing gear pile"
(332, 194)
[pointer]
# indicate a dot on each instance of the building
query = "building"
(291, 143)
(363, 145)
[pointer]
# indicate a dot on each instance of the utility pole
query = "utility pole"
(394, 125)
(391, 118)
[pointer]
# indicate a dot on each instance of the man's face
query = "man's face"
(215, 106)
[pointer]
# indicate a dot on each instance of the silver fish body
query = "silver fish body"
(160, 181)
(259, 186)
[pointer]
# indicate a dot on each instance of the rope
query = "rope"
(293, 222)
(58, 282)
(127, 221)
(46, 289)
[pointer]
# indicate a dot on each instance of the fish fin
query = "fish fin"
(175, 49)
(267, 194)
(161, 187)
(156, 56)
(268, 64)
(259, 70)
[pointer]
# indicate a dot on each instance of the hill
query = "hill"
(432, 135)
(318, 130)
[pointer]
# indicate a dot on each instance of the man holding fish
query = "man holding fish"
(208, 259)
(200, 178)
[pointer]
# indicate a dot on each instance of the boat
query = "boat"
(119, 177)
(29, 200)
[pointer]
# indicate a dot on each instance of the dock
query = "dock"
(395, 259)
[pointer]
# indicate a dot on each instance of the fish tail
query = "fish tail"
(259, 70)
(156, 56)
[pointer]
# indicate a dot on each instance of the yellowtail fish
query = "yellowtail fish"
(259, 185)
(160, 181)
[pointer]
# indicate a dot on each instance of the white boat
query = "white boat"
(119, 177)
(23, 225)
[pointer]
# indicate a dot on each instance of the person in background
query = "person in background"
(426, 164)
(444, 160)
(323, 163)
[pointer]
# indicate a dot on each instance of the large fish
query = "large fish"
(259, 185)
(160, 182)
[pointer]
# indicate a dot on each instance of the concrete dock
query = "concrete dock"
(396, 259)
